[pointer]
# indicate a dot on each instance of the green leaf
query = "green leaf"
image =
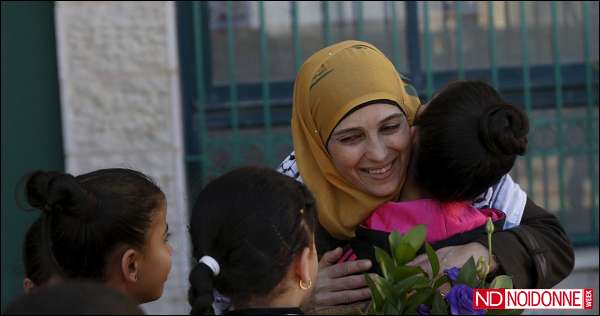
(400, 307)
(433, 260)
(404, 252)
(420, 297)
(416, 236)
(502, 282)
(394, 240)
(371, 309)
(376, 294)
(402, 272)
(440, 281)
(439, 305)
(381, 291)
(411, 283)
(385, 262)
(468, 274)
(390, 309)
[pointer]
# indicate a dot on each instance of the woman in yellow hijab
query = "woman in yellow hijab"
(331, 84)
(342, 80)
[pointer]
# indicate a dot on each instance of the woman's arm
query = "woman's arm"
(537, 253)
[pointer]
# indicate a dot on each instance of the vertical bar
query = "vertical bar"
(526, 91)
(412, 37)
(428, 59)
(545, 179)
(590, 118)
(358, 20)
(492, 44)
(264, 76)
(459, 41)
(326, 23)
(558, 117)
(390, 7)
(233, 94)
(200, 101)
(341, 24)
(296, 36)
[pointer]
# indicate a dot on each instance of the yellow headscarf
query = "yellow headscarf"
(330, 84)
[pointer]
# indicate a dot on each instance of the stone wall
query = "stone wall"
(121, 107)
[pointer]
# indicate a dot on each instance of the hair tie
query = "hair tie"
(211, 263)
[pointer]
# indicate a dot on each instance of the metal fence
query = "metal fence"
(238, 116)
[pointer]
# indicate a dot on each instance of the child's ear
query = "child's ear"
(414, 135)
(304, 268)
(129, 265)
(28, 285)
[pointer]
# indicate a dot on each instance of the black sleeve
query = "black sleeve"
(325, 242)
(537, 253)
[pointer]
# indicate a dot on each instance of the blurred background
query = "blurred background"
(185, 91)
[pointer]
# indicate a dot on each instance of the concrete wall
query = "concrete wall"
(121, 107)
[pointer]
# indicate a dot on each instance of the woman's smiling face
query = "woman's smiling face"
(370, 148)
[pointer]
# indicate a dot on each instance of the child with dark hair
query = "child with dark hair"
(252, 231)
(38, 269)
(108, 225)
(464, 141)
(74, 298)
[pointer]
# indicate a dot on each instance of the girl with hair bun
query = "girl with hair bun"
(464, 141)
(108, 225)
(252, 233)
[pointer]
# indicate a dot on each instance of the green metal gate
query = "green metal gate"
(232, 120)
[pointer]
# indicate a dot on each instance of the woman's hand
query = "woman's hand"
(338, 283)
(455, 256)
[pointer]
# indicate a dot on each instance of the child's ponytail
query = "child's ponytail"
(200, 294)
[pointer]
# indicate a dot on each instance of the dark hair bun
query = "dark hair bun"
(503, 130)
(60, 192)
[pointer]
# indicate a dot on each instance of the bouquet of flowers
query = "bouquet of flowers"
(406, 289)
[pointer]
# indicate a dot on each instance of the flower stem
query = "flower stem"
(489, 227)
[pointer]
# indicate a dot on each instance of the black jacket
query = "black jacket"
(537, 253)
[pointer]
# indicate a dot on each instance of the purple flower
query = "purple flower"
(452, 273)
(460, 299)
(423, 310)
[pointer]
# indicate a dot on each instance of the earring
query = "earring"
(305, 285)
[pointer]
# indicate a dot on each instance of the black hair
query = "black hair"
(253, 221)
(86, 218)
(38, 267)
(468, 138)
(74, 298)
